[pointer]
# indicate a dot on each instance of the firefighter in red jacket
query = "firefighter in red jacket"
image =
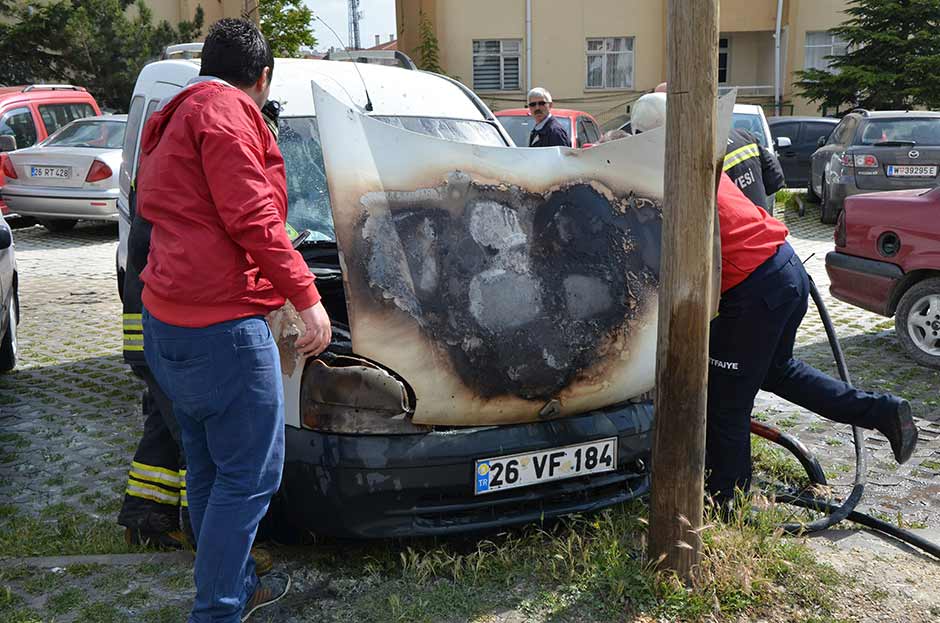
(764, 293)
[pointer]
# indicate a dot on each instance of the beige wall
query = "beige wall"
(808, 15)
(175, 11)
(560, 28)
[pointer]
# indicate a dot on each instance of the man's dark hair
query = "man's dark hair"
(236, 51)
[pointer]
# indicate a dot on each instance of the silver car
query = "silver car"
(71, 175)
(9, 301)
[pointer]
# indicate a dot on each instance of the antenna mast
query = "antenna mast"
(355, 15)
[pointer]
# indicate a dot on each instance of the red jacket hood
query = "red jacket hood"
(156, 125)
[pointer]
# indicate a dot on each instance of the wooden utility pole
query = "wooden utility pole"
(677, 501)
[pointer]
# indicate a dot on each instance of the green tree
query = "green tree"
(892, 62)
(428, 50)
(91, 43)
(286, 24)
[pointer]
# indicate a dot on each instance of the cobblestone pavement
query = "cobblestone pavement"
(70, 418)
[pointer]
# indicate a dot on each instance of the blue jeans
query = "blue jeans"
(225, 384)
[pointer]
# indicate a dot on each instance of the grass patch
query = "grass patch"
(60, 530)
(777, 464)
(66, 601)
(594, 569)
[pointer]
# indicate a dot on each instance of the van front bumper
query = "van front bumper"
(380, 486)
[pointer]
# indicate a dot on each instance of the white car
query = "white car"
(71, 175)
(359, 462)
(9, 299)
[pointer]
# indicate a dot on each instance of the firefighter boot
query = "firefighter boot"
(900, 430)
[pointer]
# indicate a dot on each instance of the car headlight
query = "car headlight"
(348, 394)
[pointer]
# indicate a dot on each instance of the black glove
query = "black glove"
(271, 111)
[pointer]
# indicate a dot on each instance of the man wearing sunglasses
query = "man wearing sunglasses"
(548, 132)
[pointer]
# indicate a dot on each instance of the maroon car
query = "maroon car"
(887, 260)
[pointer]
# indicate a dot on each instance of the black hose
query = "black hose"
(846, 510)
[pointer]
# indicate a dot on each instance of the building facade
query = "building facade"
(599, 55)
(176, 11)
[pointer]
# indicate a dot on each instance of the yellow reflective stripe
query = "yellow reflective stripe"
(135, 348)
(151, 492)
(133, 325)
(184, 501)
(160, 474)
(133, 316)
(183, 475)
(158, 478)
(740, 155)
(134, 337)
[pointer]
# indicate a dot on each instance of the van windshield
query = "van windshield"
(308, 198)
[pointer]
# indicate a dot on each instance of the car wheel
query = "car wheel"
(8, 345)
(811, 195)
(917, 322)
(828, 212)
(58, 225)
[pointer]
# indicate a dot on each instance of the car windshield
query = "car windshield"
(752, 123)
(919, 131)
(94, 134)
(519, 127)
(308, 197)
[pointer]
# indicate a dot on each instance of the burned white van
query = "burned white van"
(494, 309)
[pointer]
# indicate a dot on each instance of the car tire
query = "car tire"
(9, 344)
(828, 212)
(917, 322)
(811, 195)
(58, 225)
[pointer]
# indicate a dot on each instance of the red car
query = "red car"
(887, 260)
(31, 113)
(582, 128)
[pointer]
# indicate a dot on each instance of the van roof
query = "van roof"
(393, 91)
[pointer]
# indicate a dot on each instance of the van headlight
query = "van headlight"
(348, 394)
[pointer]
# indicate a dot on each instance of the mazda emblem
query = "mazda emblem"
(913, 154)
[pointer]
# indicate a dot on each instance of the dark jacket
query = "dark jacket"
(552, 134)
(138, 244)
(752, 167)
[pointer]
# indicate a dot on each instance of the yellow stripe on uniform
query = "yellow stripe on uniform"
(740, 155)
(151, 492)
(184, 501)
(153, 473)
(134, 341)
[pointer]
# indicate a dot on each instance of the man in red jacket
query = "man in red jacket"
(764, 292)
(211, 182)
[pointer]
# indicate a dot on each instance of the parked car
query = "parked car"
(356, 464)
(803, 134)
(71, 175)
(9, 299)
(873, 151)
(582, 128)
(887, 260)
(31, 113)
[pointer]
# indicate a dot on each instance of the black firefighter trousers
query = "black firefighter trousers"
(751, 348)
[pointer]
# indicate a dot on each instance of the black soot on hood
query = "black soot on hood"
(524, 291)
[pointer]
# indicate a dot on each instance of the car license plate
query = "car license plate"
(530, 468)
(905, 170)
(60, 172)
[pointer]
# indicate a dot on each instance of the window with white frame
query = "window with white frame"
(723, 51)
(496, 64)
(821, 44)
(610, 63)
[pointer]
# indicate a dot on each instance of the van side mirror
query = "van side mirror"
(6, 238)
(783, 141)
(821, 141)
(7, 143)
